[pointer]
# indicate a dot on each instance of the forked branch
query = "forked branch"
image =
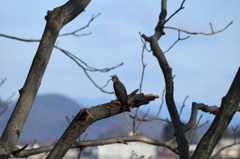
(202, 33)
(228, 108)
(168, 77)
(82, 64)
(88, 116)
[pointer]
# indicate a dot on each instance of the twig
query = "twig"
(183, 105)
(158, 113)
(179, 38)
(180, 8)
(65, 34)
(88, 24)
(17, 150)
(126, 124)
(3, 80)
(134, 122)
(127, 119)
(199, 126)
(4, 104)
(143, 66)
(195, 127)
(225, 147)
(20, 39)
(144, 42)
(88, 68)
(211, 27)
(202, 33)
(75, 58)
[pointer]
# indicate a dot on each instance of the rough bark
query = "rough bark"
(226, 111)
(56, 19)
(88, 116)
(168, 77)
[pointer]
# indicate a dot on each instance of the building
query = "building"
(126, 151)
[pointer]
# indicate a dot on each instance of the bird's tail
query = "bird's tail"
(124, 105)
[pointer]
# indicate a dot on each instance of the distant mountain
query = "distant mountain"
(47, 121)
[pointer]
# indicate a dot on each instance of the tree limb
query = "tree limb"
(228, 146)
(56, 19)
(224, 115)
(195, 33)
(158, 113)
(86, 117)
(168, 77)
(87, 68)
(84, 27)
(88, 143)
(179, 38)
(76, 59)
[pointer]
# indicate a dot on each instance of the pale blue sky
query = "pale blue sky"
(204, 65)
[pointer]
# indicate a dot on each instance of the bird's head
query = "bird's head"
(114, 78)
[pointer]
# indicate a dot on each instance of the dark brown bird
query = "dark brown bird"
(120, 92)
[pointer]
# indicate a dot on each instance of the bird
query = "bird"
(120, 92)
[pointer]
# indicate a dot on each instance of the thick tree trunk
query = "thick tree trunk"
(228, 108)
(56, 19)
(168, 77)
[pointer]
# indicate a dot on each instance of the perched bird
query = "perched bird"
(120, 92)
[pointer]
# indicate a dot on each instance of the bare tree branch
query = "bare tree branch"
(56, 19)
(158, 113)
(82, 28)
(20, 39)
(194, 112)
(223, 117)
(144, 42)
(167, 72)
(143, 66)
(3, 80)
(195, 127)
(87, 67)
(180, 8)
(179, 38)
(86, 117)
(4, 104)
(78, 61)
(205, 108)
(65, 34)
(233, 144)
(129, 122)
(126, 124)
(195, 33)
(88, 143)
(199, 126)
(183, 105)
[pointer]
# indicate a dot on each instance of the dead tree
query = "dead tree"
(56, 19)
(62, 15)
(224, 115)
